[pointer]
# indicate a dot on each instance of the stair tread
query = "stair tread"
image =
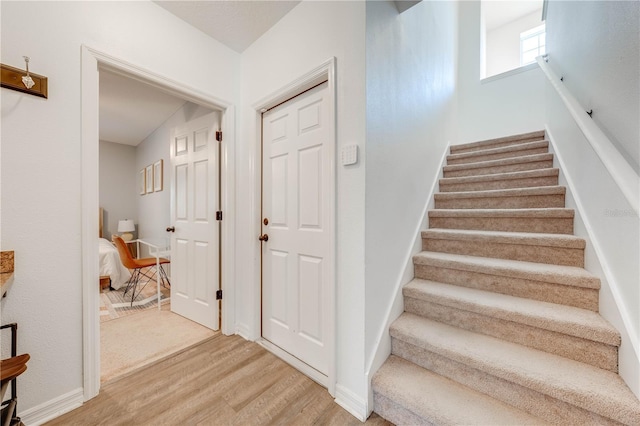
(507, 237)
(511, 192)
(501, 176)
(530, 212)
(501, 162)
(568, 320)
(499, 150)
(538, 134)
(438, 400)
(591, 388)
(558, 274)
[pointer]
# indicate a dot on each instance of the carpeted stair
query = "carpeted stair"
(500, 323)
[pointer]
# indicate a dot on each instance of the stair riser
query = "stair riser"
(510, 224)
(586, 298)
(395, 413)
(481, 171)
(452, 160)
(504, 144)
(544, 406)
(527, 253)
(595, 353)
(497, 143)
(513, 202)
(499, 184)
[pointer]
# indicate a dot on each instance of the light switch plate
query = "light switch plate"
(349, 155)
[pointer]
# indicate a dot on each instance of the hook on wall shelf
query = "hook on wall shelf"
(24, 81)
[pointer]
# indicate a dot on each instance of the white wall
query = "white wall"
(118, 189)
(411, 95)
(153, 209)
(595, 45)
(309, 35)
(503, 43)
(607, 220)
(611, 228)
(41, 161)
(500, 107)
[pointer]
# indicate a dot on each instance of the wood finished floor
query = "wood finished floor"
(222, 381)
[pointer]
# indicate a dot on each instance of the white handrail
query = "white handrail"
(617, 166)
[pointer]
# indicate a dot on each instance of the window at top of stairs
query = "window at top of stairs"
(532, 44)
(513, 35)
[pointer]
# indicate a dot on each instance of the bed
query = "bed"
(112, 271)
(111, 266)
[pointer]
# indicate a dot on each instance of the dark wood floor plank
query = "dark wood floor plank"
(223, 381)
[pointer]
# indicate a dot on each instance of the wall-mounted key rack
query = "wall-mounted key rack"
(23, 80)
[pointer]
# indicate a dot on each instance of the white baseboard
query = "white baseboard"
(348, 400)
(243, 331)
(51, 409)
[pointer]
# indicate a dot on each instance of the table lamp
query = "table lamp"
(126, 227)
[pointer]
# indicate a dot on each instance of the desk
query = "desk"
(158, 247)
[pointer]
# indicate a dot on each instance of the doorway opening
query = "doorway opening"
(138, 325)
(93, 63)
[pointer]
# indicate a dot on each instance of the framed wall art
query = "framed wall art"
(149, 179)
(142, 182)
(158, 175)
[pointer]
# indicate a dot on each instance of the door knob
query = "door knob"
(171, 229)
(264, 237)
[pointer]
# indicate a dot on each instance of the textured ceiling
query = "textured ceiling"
(234, 23)
(130, 110)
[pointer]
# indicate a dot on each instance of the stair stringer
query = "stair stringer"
(610, 306)
(396, 306)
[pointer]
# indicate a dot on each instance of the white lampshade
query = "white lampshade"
(126, 226)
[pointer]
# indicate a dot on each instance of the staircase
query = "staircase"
(500, 323)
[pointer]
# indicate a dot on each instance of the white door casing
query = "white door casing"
(297, 263)
(194, 202)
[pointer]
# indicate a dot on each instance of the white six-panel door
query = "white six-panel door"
(194, 201)
(297, 184)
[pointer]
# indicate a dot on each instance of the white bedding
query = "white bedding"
(111, 265)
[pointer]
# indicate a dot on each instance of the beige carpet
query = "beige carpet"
(501, 323)
(133, 341)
